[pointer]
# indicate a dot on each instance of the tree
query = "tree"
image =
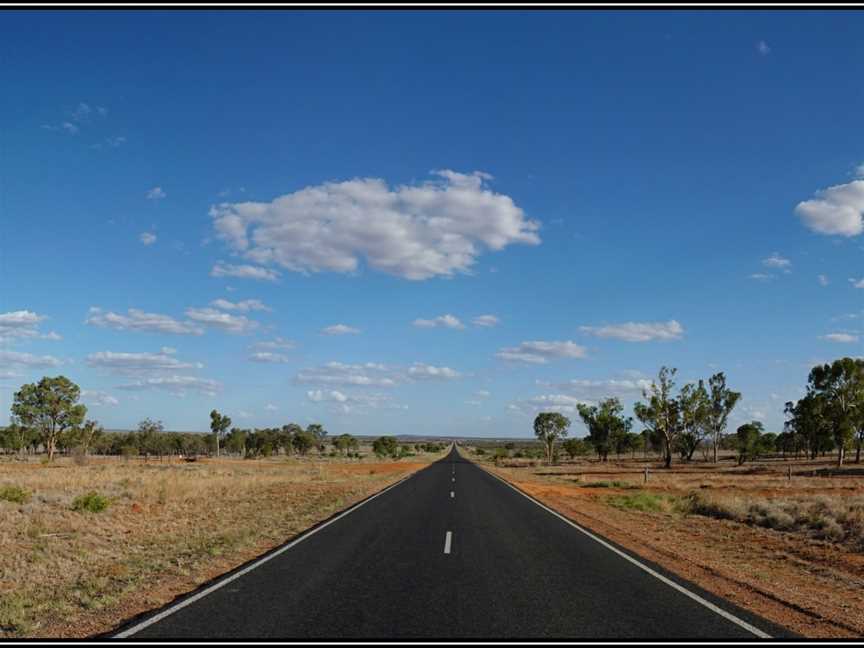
(694, 405)
(842, 385)
(661, 413)
(575, 447)
(88, 435)
(722, 401)
(549, 427)
(303, 441)
(151, 438)
(607, 428)
(747, 439)
(218, 425)
(50, 407)
(385, 446)
(809, 423)
(343, 443)
(236, 441)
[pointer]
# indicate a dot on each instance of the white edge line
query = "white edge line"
(222, 583)
(708, 604)
(447, 539)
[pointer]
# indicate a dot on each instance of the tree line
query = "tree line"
(830, 417)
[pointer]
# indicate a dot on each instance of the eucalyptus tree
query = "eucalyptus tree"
(51, 408)
(218, 426)
(548, 428)
(607, 428)
(842, 385)
(694, 403)
(808, 421)
(661, 414)
(722, 402)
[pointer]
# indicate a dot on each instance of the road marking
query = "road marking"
(454, 479)
(452, 494)
(447, 540)
(215, 586)
(683, 590)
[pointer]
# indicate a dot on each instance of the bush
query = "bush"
(92, 502)
(610, 484)
(14, 494)
(646, 502)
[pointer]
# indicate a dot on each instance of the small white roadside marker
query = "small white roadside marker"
(447, 539)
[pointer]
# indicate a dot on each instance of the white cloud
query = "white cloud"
(23, 324)
(482, 393)
(837, 210)
(274, 344)
(369, 374)
(540, 352)
(244, 272)
(351, 402)
(416, 232)
(176, 385)
(760, 276)
(486, 320)
(592, 390)
(138, 320)
(269, 357)
(270, 407)
(98, 398)
(637, 331)
(16, 359)
(778, 262)
(243, 306)
(445, 321)
(823, 280)
(562, 403)
(762, 48)
(137, 363)
(147, 238)
(156, 193)
(421, 371)
(856, 283)
(340, 329)
(217, 319)
(845, 338)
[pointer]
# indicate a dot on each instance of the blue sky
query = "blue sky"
(191, 200)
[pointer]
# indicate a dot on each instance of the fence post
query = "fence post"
(789, 473)
(645, 481)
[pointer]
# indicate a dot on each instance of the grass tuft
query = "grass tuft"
(14, 494)
(91, 502)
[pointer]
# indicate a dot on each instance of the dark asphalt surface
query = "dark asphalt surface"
(514, 571)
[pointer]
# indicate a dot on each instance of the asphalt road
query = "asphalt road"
(419, 563)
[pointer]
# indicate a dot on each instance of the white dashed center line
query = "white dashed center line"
(447, 539)
(452, 494)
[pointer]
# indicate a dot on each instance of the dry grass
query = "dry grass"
(66, 572)
(791, 550)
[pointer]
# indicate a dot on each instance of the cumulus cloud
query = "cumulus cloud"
(340, 329)
(350, 402)
(156, 193)
(138, 320)
(369, 374)
(244, 272)
(175, 385)
(274, 344)
(778, 262)
(761, 276)
(98, 398)
(147, 238)
(837, 210)
(540, 352)
(593, 390)
(243, 306)
(856, 283)
(270, 407)
(417, 232)
(218, 319)
(562, 403)
(28, 360)
(269, 357)
(762, 48)
(421, 371)
(23, 324)
(444, 321)
(823, 280)
(485, 320)
(845, 338)
(637, 331)
(137, 363)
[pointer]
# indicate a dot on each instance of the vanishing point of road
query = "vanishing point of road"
(450, 552)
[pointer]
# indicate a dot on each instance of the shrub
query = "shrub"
(14, 494)
(610, 484)
(91, 502)
(646, 502)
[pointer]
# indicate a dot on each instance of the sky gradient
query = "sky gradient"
(426, 222)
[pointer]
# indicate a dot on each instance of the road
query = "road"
(451, 552)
